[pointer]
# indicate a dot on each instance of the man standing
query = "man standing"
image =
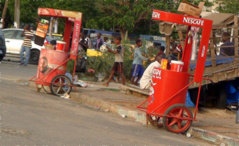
(227, 48)
(27, 45)
(118, 64)
(138, 68)
(99, 41)
(89, 41)
(83, 42)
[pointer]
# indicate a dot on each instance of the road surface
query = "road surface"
(31, 118)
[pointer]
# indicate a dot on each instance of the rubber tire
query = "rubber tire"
(171, 108)
(51, 86)
(1, 58)
(222, 98)
(34, 56)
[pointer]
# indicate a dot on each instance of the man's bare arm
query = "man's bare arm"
(112, 51)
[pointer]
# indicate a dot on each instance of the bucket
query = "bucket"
(177, 66)
(60, 46)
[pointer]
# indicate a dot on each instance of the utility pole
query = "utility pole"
(17, 14)
(4, 13)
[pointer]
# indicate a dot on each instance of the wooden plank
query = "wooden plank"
(180, 34)
(134, 88)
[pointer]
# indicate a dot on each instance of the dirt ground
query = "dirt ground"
(218, 120)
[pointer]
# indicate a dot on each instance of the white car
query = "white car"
(14, 42)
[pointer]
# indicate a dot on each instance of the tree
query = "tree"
(228, 6)
(132, 15)
(127, 15)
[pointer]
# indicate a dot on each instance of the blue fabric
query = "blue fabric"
(27, 51)
(189, 102)
(218, 61)
(138, 70)
(232, 93)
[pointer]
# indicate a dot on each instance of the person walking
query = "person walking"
(27, 45)
(118, 64)
(138, 68)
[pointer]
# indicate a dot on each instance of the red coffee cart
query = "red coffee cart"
(169, 88)
(52, 63)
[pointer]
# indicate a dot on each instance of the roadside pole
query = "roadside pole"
(17, 14)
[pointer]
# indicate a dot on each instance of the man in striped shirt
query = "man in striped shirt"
(27, 45)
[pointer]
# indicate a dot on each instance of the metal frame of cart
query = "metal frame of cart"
(176, 116)
(55, 78)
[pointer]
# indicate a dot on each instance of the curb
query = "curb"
(140, 117)
(213, 137)
(109, 107)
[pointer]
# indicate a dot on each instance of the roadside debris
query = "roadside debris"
(66, 96)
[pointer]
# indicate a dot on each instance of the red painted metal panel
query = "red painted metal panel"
(75, 39)
(67, 34)
(202, 54)
(180, 19)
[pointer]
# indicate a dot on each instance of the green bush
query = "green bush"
(103, 64)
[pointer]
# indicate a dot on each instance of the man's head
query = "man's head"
(53, 42)
(138, 42)
(98, 35)
(117, 40)
(27, 27)
(105, 39)
(159, 57)
(161, 48)
(43, 64)
(225, 37)
(82, 35)
(88, 35)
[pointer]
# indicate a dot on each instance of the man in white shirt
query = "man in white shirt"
(146, 80)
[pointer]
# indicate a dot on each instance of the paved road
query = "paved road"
(31, 118)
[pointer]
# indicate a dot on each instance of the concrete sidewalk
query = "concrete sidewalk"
(214, 125)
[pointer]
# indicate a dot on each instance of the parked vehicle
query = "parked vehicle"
(14, 42)
(2, 46)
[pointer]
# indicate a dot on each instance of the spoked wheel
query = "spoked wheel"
(60, 85)
(154, 120)
(176, 123)
(47, 89)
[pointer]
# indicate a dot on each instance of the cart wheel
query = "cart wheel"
(60, 85)
(174, 123)
(155, 121)
(47, 89)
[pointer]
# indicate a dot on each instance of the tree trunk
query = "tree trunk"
(17, 14)
(123, 34)
(4, 13)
